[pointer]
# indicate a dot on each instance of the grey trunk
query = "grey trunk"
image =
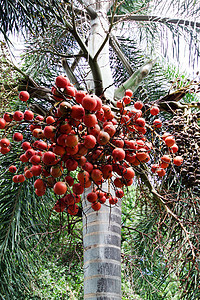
(102, 229)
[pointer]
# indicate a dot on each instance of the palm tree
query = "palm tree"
(90, 54)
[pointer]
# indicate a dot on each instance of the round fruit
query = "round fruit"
(60, 188)
(157, 123)
(89, 141)
(96, 206)
(89, 102)
(118, 154)
(138, 105)
(17, 137)
(169, 141)
(2, 123)
(154, 110)
(28, 115)
(48, 158)
(12, 169)
(92, 197)
(24, 96)
(18, 115)
(62, 81)
(178, 160)
(4, 143)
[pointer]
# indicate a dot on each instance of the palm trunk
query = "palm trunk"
(102, 229)
(102, 253)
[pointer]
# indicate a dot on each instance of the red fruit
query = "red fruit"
(65, 128)
(36, 170)
(70, 91)
(99, 103)
(142, 154)
(71, 140)
(178, 160)
(89, 102)
(96, 206)
(60, 205)
(49, 131)
(107, 171)
(29, 153)
(130, 157)
(83, 177)
(4, 150)
(61, 140)
(128, 93)
(140, 122)
(40, 192)
(88, 167)
(96, 175)
(28, 174)
(42, 145)
(50, 120)
(23, 158)
(100, 114)
(38, 133)
(39, 118)
(118, 182)
(113, 200)
(174, 148)
(154, 110)
(69, 180)
(119, 193)
(17, 137)
(118, 143)
(92, 197)
(4, 143)
(82, 161)
(94, 130)
(138, 105)
(24, 96)
(12, 169)
(60, 188)
(126, 100)
(71, 164)
(28, 115)
(78, 189)
(7, 117)
(90, 120)
(160, 172)
(21, 178)
(163, 165)
(39, 184)
(79, 96)
(120, 104)
(18, 115)
(128, 173)
(15, 179)
(73, 209)
(166, 159)
(110, 129)
(118, 154)
(77, 112)
(26, 146)
(35, 160)
(169, 141)
(48, 158)
(2, 123)
(89, 141)
(102, 199)
(62, 81)
(69, 199)
(157, 123)
(103, 138)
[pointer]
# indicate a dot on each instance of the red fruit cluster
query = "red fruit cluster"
(83, 135)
